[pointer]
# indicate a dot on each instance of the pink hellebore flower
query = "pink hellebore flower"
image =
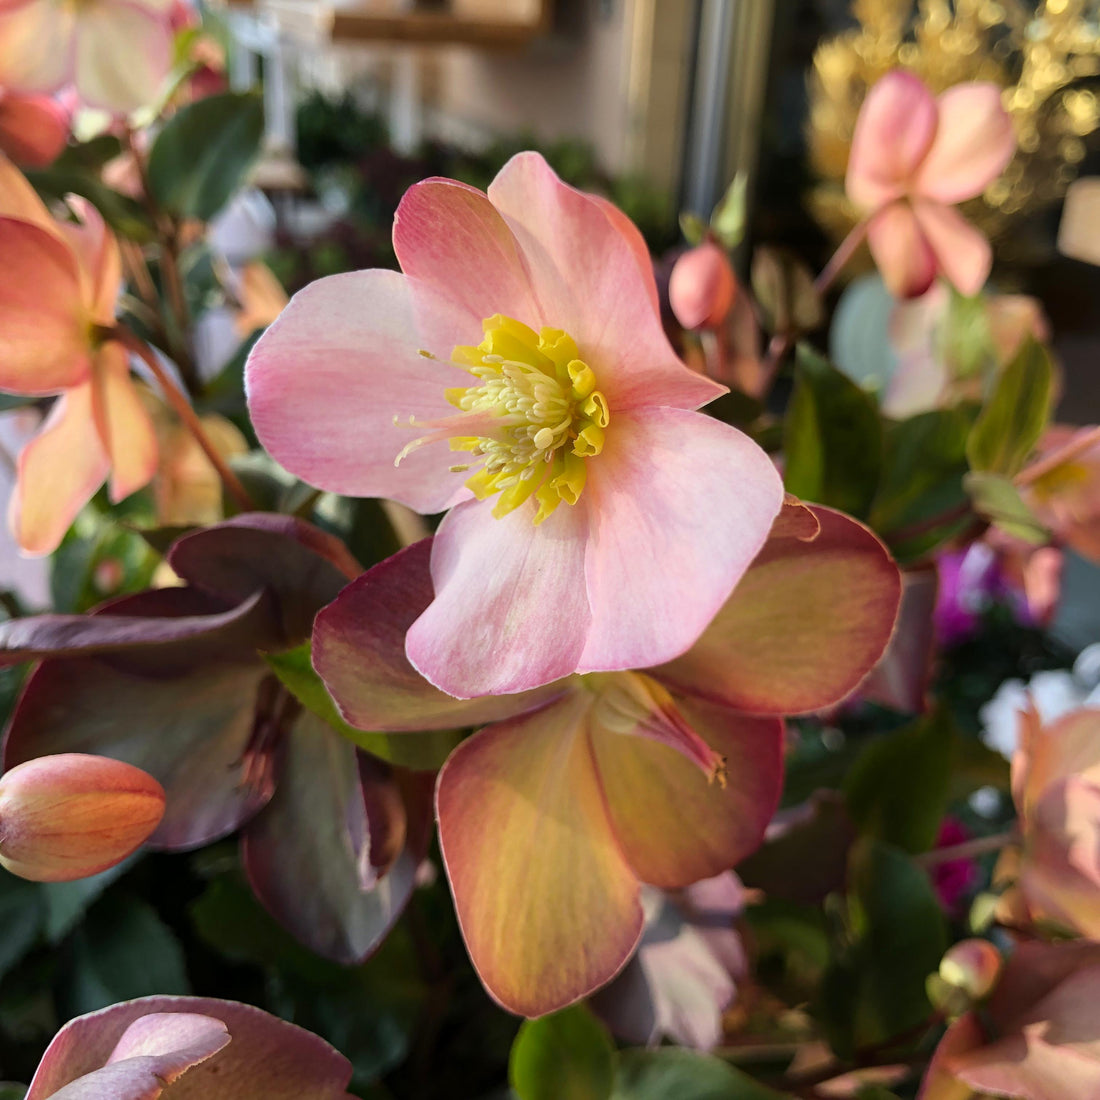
(702, 286)
(60, 280)
(33, 128)
(913, 157)
(184, 1048)
(1037, 1038)
(597, 522)
(574, 795)
(116, 52)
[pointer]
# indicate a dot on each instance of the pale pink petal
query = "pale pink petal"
(974, 143)
(902, 252)
(359, 651)
(894, 131)
(680, 505)
(99, 259)
(510, 609)
(59, 471)
(19, 200)
(123, 54)
(125, 427)
(327, 380)
(962, 253)
(451, 237)
(37, 45)
(33, 128)
(587, 281)
(44, 344)
(636, 241)
(940, 1082)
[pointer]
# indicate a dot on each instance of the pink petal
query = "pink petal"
(902, 252)
(44, 343)
(894, 131)
(587, 281)
(510, 610)
(452, 238)
(59, 471)
(19, 200)
(547, 906)
(359, 651)
(940, 1082)
(123, 54)
(124, 425)
(680, 505)
(675, 826)
(328, 378)
(962, 253)
(974, 143)
(36, 46)
(33, 128)
(99, 259)
(266, 1059)
(636, 241)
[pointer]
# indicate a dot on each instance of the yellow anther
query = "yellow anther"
(589, 440)
(558, 346)
(582, 377)
(595, 408)
(569, 482)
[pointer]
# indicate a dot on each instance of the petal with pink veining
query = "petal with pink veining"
(587, 281)
(673, 824)
(330, 377)
(359, 651)
(680, 505)
(510, 610)
(894, 131)
(33, 128)
(547, 906)
(962, 253)
(805, 625)
(974, 143)
(44, 345)
(125, 427)
(902, 252)
(123, 54)
(59, 471)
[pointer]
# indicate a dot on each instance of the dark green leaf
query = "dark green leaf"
(66, 902)
(89, 156)
(127, 217)
(567, 1054)
(123, 950)
(898, 788)
(833, 438)
(998, 500)
(676, 1074)
(423, 751)
(201, 156)
(22, 912)
(1015, 414)
(10, 1091)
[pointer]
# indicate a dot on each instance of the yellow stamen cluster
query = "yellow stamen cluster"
(548, 416)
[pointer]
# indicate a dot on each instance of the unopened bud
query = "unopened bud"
(968, 973)
(702, 287)
(70, 816)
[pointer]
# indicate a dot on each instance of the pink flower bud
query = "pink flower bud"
(702, 287)
(972, 966)
(69, 816)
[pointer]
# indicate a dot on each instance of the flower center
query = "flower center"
(534, 417)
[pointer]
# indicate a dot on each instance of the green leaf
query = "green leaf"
(785, 291)
(121, 951)
(423, 751)
(967, 341)
(693, 228)
(66, 902)
(201, 156)
(127, 217)
(727, 221)
(898, 788)
(22, 912)
(998, 500)
(1015, 414)
(833, 438)
(567, 1054)
(11, 1091)
(894, 937)
(676, 1074)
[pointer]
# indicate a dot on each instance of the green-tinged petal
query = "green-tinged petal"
(805, 625)
(673, 824)
(547, 904)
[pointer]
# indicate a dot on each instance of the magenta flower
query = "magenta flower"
(913, 157)
(597, 522)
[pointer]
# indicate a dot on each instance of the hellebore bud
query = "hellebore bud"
(70, 816)
(702, 287)
(968, 973)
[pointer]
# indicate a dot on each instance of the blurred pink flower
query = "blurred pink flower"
(597, 521)
(702, 286)
(913, 157)
(116, 52)
(188, 1047)
(60, 280)
(955, 880)
(33, 128)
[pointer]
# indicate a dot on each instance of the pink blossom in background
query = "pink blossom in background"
(116, 52)
(596, 522)
(33, 128)
(59, 280)
(914, 156)
(702, 286)
(955, 880)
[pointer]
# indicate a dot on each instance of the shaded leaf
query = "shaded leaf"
(998, 500)
(569, 1053)
(66, 902)
(785, 292)
(676, 1074)
(22, 913)
(127, 217)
